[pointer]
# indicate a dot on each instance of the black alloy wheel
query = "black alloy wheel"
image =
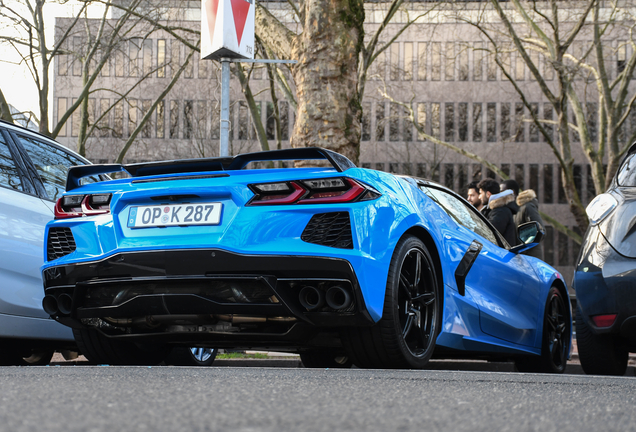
(405, 336)
(555, 342)
(191, 356)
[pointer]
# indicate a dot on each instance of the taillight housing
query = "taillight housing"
(72, 206)
(316, 191)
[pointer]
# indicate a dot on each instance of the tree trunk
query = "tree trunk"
(5, 111)
(329, 113)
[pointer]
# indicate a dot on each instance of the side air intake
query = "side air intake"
(59, 243)
(329, 229)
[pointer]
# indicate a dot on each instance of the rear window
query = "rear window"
(9, 176)
(627, 173)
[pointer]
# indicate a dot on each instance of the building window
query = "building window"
(621, 56)
(118, 120)
(577, 173)
(449, 122)
(394, 122)
(592, 115)
(161, 58)
(395, 61)
(477, 123)
(533, 129)
(119, 63)
(202, 120)
(161, 123)
(491, 65)
(132, 116)
(561, 190)
(547, 115)
(62, 65)
(174, 119)
(435, 120)
(478, 61)
(188, 120)
(505, 168)
(242, 121)
(421, 120)
(77, 60)
(449, 176)
(270, 121)
(548, 245)
(379, 121)
(534, 179)
(366, 122)
(505, 121)
(462, 121)
(134, 47)
(408, 61)
(591, 189)
(421, 61)
(379, 166)
(436, 61)
(520, 135)
(62, 106)
(548, 181)
(146, 132)
(75, 120)
(463, 61)
(203, 68)
(564, 250)
(421, 170)
(548, 70)
(462, 177)
(147, 57)
(103, 125)
(520, 176)
(520, 67)
(491, 122)
(477, 172)
(394, 168)
(449, 73)
(379, 66)
(407, 125)
(175, 54)
(283, 109)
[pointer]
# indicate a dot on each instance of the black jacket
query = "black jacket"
(500, 212)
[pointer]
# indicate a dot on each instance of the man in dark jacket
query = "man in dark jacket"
(528, 211)
(500, 209)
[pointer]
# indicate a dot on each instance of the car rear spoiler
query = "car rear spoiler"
(338, 161)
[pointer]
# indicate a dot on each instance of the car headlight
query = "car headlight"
(600, 207)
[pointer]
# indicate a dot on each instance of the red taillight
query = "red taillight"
(72, 206)
(604, 320)
(319, 191)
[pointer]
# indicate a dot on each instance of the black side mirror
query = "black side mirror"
(530, 234)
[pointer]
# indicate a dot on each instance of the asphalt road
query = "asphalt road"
(276, 399)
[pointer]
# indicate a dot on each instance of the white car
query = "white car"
(33, 170)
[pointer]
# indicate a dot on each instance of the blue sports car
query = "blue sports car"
(340, 264)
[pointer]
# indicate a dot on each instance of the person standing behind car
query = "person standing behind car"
(528, 211)
(473, 196)
(500, 209)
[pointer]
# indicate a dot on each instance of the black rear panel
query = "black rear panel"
(329, 229)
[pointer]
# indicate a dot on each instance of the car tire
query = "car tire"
(555, 344)
(599, 354)
(325, 359)
(99, 349)
(191, 356)
(405, 335)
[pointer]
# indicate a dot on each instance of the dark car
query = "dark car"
(605, 277)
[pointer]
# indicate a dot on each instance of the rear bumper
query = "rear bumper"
(605, 283)
(205, 283)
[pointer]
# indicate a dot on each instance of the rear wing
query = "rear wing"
(338, 161)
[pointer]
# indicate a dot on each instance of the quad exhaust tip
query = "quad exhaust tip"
(338, 298)
(49, 304)
(63, 304)
(311, 298)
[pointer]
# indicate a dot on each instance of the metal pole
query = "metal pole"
(225, 107)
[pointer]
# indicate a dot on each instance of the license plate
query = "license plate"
(175, 214)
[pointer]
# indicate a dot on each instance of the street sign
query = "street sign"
(227, 29)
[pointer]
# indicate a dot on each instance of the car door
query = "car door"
(502, 284)
(23, 217)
